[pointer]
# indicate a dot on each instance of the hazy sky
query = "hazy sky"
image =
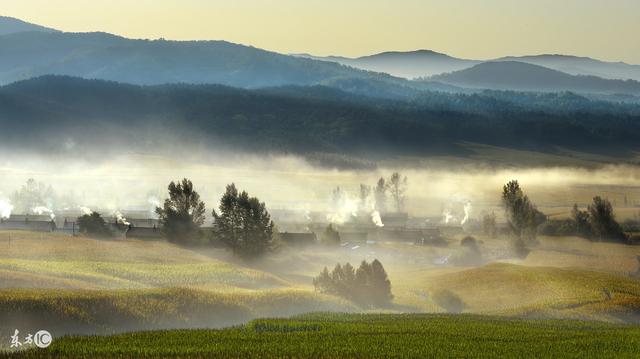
(605, 29)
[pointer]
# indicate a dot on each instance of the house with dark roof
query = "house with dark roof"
(34, 223)
(299, 239)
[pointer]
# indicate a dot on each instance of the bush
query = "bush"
(94, 225)
(558, 227)
(449, 301)
(367, 286)
(330, 237)
(603, 222)
(470, 252)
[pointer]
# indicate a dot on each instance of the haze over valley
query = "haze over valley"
(161, 198)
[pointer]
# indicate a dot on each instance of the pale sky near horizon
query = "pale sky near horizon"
(607, 30)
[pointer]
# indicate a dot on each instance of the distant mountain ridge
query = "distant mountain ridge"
(409, 64)
(152, 62)
(10, 25)
(520, 76)
(426, 63)
(575, 65)
(30, 51)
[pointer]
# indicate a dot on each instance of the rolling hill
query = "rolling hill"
(520, 76)
(9, 25)
(575, 65)
(97, 55)
(409, 64)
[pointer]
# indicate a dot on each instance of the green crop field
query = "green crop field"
(363, 336)
(123, 291)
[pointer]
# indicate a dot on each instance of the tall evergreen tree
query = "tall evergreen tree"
(522, 215)
(182, 213)
(243, 224)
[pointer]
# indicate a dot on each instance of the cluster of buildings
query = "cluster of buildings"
(394, 227)
(398, 227)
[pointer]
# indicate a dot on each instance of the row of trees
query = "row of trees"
(369, 285)
(242, 222)
(597, 223)
(395, 187)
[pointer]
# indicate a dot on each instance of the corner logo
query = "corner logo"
(41, 339)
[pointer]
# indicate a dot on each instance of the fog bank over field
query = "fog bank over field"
(138, 182)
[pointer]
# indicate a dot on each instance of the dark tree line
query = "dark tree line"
(369, 285)
(596, 223)
(291, 122)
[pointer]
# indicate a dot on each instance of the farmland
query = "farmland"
(80, 286)
(364, 335)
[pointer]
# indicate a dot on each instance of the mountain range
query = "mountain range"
(31, 51)
(427, 63)
(410, 64)
(61, 92)
(520, 76)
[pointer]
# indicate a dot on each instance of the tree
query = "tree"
(522, 215)
(489, 225)
(369, 285)
(380, 284)
(602, 221)
(365, 198)
(94, 225)
(182, 213)
(31, 195)
(581, 222)
(330, 237)
(243, 224)
(380, 193)
(398, 188)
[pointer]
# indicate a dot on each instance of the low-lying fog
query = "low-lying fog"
(138, 182)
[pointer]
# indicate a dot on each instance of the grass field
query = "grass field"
(81, 286)
(363, 336)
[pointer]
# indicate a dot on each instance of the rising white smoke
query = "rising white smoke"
(39, 210)
(467, 212)
(375, 217)
(85, 210)
(5, 208)
(120, 218)
(447, 216)
(344, 207)
(155, 203)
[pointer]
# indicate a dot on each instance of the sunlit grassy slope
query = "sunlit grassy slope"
(59, 261)
(82, 311)
(364, 336)
(81, 285)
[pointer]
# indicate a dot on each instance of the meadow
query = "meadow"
(335, 335)
(76, 286)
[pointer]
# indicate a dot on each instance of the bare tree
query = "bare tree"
(398, 188)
